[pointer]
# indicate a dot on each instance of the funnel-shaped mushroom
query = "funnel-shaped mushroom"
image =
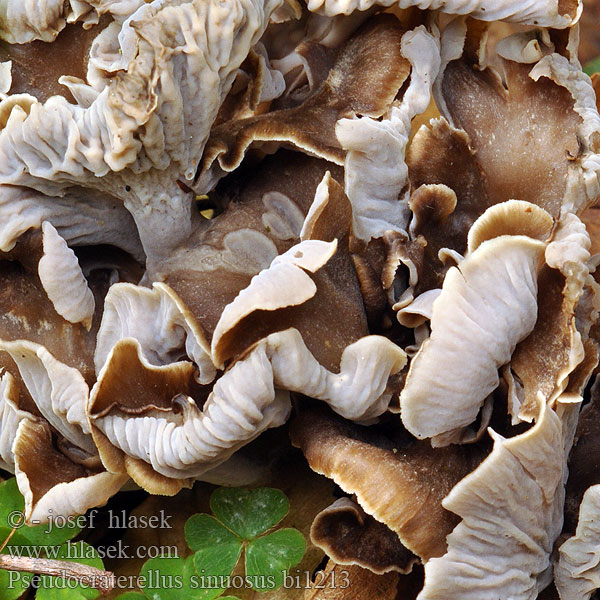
(47, 365)
(128, 310)
(399, 483)
(577, 572)
(375, 172)
(544, 360)
(365, 78)
(267, 286)
(144, 115)
(163, 428)
(546, 121)
(161, 437)
(55, 481)
(511, 509)
(351, 537)
(546, 13)
(482, 163)
(263, 218)
(487, 305)
(59, 392)
(58, 470)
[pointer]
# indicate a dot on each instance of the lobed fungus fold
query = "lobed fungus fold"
(364, 222)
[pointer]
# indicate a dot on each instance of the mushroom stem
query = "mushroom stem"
(164, 220)
(101, 580)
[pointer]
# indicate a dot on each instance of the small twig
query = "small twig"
(103, 581)
(12, 533)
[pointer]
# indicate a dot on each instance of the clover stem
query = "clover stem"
(11, 533)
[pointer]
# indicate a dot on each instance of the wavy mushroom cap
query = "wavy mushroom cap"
(351, 537)
(120, 136)
(576, 573)
(398, 483)
(547, 13)
(511, 515)
(57, 467)
(492, 295)
(378, 261)
(164, 429)
(364, 79)
(46, 351)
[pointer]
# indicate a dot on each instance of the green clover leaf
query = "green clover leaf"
(11, 504)
(217, 550)
(162, 578)
(173, 579)
(242, 519)
(242, 522)
(270, 556)
(592, 67)
(249, 513)
(58, 588)
(13, 584)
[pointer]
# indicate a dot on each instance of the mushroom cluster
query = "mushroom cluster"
(364, 217)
